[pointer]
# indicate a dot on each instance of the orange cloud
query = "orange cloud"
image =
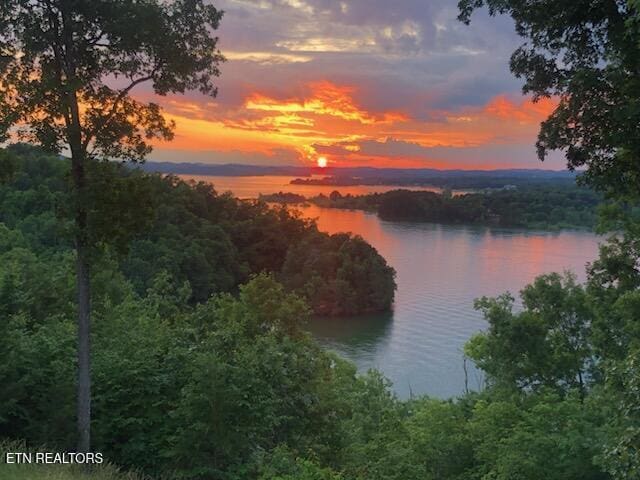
(328, 120)
(525, 112)
(326, 99)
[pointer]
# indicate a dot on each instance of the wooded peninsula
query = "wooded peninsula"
(534, 206)
(201, 242)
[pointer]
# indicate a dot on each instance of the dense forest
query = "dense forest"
(447, 179)
(203, 242)
(198, 378)
(537, 207)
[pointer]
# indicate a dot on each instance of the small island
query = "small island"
(537, 207)
(283, 198)
(429, 177)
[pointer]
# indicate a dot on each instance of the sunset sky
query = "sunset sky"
(360, 82)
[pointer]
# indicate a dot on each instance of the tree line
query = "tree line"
(197, 376)
(535, 207)
(204, 241)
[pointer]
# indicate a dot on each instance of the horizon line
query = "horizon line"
(331, 168)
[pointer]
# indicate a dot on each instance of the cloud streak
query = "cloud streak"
(364, 82)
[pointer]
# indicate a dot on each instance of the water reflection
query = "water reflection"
(441, 269)
(362, 337)
(252, 187)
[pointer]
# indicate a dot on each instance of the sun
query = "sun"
(322, 162)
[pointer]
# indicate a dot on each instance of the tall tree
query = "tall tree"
(586, 53)
(67, 69)
(544, 346)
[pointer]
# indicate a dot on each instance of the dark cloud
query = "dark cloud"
(397, 51)
(410, 57)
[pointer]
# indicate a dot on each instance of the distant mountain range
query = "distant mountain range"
(226, 170)
(342, 176)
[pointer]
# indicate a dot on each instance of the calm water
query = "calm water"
(440, 271)
(252, 187)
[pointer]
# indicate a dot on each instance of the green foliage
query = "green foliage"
(185, 231)
(546, 345)
(199, 377)
(543, 437)
(438, 439)
(121, 204)
(250, 385)
(581, 343)
(540, 207)
(283, 465)
(339, 275)
(197, 386)
(613, 287)
(67, 69)
(622, 458)
(36, 365)
(203, 369)
(586, 54)
(614, 279)
(7, 166)
(283, 197)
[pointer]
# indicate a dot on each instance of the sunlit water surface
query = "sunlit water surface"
(252, 187)
(440, 269)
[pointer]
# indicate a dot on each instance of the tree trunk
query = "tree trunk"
(83, 290)
(65, 56)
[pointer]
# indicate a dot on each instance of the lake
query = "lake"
(252, 187)
(440, 269)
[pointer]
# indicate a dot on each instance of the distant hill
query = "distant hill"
(452, 179)
(226, 170)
